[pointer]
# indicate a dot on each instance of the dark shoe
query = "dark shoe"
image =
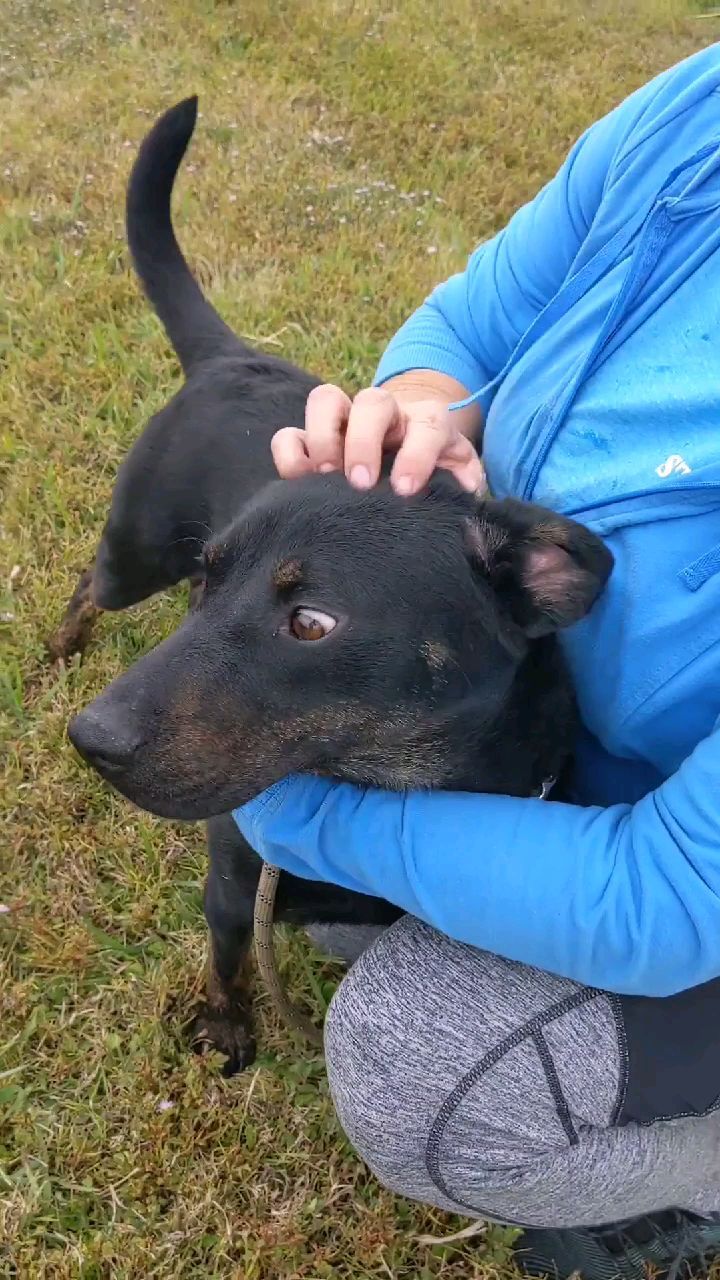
(672, 1244)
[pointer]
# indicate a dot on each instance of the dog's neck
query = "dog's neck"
(512, 751)
(532, 735)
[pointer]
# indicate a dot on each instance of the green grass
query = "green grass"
(348, 156)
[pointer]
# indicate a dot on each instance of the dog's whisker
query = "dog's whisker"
(176, 542)
(203, 525)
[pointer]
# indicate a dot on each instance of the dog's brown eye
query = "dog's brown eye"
(311, 624)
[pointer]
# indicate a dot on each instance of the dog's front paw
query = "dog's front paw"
(227, 1031)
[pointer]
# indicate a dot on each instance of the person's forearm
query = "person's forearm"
(623, 898)
(427, 384)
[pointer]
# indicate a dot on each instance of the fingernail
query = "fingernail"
(325, 467)
(404, 485)
(360, 478)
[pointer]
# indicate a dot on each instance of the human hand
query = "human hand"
(409, 418)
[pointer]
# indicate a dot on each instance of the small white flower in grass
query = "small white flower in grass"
(432, 248)
(165, 1105)
(4, 909)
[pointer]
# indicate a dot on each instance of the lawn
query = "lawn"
(348, 155)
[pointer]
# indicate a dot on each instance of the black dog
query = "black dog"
(208, 450)
(398, 643)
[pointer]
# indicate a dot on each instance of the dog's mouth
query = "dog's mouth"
(207, 777)
(168, 797)
(190, 806)
(167, 783)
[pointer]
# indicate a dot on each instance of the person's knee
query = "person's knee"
(438, 1081)
(399, 1050)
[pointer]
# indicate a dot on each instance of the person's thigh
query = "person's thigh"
(479, 1085)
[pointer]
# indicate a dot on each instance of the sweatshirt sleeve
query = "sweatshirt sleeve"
(470, 325)
(624, 898)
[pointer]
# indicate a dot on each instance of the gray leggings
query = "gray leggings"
(481, 1086)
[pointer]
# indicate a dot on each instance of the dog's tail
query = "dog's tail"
(193, 326)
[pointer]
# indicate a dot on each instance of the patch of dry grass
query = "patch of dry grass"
(348, 156)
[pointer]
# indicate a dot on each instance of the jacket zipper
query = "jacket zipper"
(680, 198)
(654, 236)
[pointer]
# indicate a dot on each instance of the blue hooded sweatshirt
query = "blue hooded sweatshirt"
(589, 329)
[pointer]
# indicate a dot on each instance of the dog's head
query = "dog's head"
(361, 635)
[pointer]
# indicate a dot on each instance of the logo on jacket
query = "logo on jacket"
(673, 466)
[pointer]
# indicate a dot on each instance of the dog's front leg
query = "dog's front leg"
(77, 623)
(224, 1022)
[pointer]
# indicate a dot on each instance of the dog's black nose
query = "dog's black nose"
(107, 741)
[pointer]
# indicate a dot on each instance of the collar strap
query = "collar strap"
(544, 789)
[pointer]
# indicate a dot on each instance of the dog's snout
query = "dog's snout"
(105, 737)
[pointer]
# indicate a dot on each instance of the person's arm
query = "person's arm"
(469, 326)
(625, 898)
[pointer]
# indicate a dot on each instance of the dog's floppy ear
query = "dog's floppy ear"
(547, 571)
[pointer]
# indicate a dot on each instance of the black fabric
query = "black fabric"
(671, 1046)
(673, 1054)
